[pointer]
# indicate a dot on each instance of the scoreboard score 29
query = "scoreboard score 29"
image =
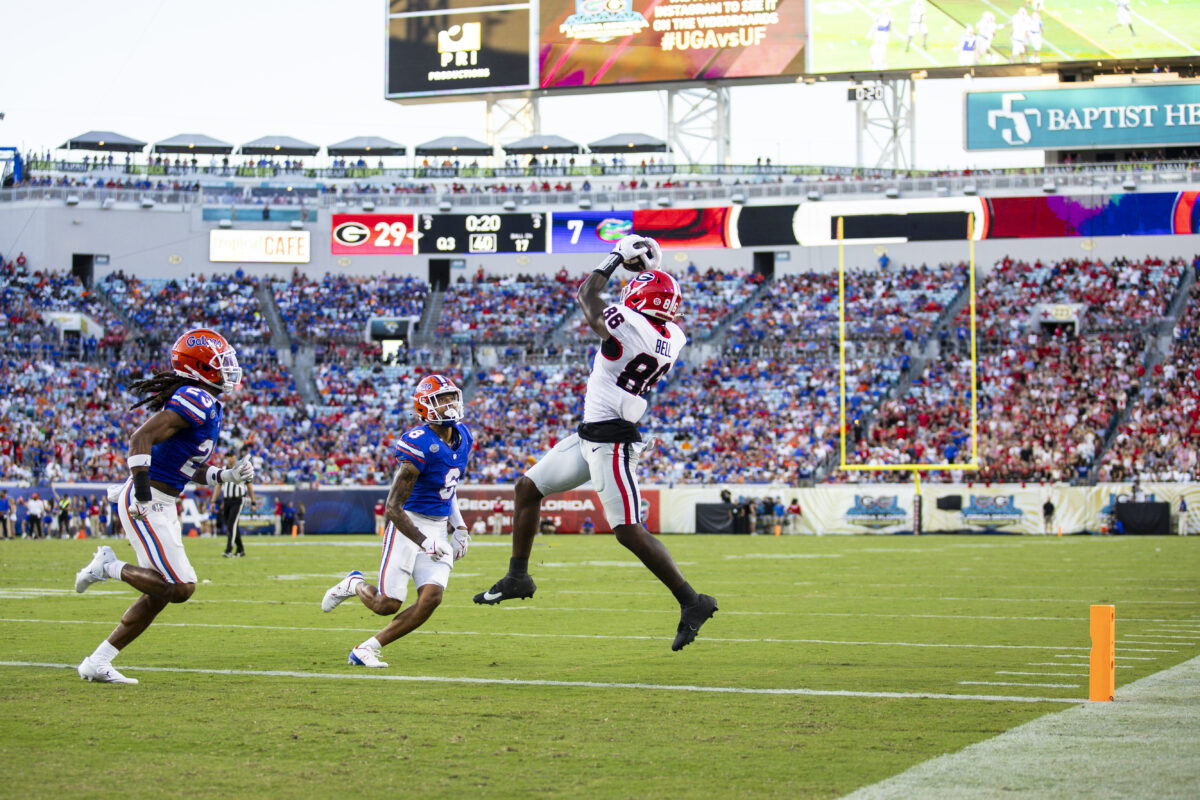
(414, 234)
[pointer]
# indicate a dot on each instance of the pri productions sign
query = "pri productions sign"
(1166, 114)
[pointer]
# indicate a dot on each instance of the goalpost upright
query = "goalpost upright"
(915, 469)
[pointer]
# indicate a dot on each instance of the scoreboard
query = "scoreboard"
(481, 233)
(415, 234)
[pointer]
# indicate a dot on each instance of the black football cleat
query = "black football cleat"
(507, 588)
(691, 618)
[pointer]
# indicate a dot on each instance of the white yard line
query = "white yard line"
(1045, 674)
(1061, 664)
(1166, 33)
(1160, 636)
(728, 640)
(666, 687)
(1124, 657)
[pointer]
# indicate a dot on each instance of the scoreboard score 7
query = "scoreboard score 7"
(481, 233)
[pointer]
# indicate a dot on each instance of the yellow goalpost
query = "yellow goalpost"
(915, 469)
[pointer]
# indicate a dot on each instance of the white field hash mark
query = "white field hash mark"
(568, 684)
(1038, 685)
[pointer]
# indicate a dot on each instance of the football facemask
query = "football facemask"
(438, 400)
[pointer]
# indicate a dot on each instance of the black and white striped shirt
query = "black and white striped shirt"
(235, 491)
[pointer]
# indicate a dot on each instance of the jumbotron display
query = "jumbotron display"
(876, 37)
(443, 49)
(606, 42)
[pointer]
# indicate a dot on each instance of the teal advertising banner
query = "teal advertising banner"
(1158, 115)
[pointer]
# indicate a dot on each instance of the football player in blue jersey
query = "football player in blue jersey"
(168, 450)
(425, 532)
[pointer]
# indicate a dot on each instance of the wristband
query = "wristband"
(609, 265)
(141, 486)
(212, 476)
(141, 460)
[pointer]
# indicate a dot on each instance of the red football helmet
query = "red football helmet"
(204, 355)
(655, 294)
(438, 400)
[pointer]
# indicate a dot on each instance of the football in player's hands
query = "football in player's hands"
(638, 253)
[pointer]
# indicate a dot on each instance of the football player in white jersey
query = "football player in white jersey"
(1124, 17)
(879, 34)
(639, 343)
(917, 26)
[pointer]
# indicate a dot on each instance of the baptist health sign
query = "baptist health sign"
(1079, 119)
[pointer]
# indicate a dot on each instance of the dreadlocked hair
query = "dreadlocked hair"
(158, 388)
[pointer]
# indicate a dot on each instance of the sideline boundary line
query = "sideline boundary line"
(566, 684)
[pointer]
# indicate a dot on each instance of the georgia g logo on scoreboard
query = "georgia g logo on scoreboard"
(374, 234)
(351, 234)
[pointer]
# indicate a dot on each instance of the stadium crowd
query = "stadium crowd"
(159, 308)
(1160, 440)
(895, 303)
(337, 307)
(519, 309)
(764, 409)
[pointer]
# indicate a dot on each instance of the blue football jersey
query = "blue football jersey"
(192, 446)
(441, 466)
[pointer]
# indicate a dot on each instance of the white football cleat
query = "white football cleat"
(94, 571)
(366, 657)
(340, 591)
(101, 673)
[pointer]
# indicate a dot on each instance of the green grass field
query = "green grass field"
(1075, 30)
(833, 663)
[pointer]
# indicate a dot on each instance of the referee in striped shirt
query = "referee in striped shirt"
(233, 496)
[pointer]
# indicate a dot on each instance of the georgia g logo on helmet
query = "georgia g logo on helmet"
(655, 294)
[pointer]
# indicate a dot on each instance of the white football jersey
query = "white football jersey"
(628, 365)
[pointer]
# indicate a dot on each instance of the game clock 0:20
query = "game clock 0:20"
(482, 233)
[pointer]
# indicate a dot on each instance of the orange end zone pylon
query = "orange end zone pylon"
(1102, 677)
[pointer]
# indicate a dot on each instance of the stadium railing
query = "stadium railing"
(711, 182)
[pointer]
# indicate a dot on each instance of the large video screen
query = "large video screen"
(458, 52)
(606, 42)
(849, 36)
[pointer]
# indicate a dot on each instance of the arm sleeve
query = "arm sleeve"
(456, 517)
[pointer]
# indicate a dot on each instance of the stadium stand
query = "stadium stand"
(338, 307)
(522, 310)
(159, 308)
(1160, 438)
